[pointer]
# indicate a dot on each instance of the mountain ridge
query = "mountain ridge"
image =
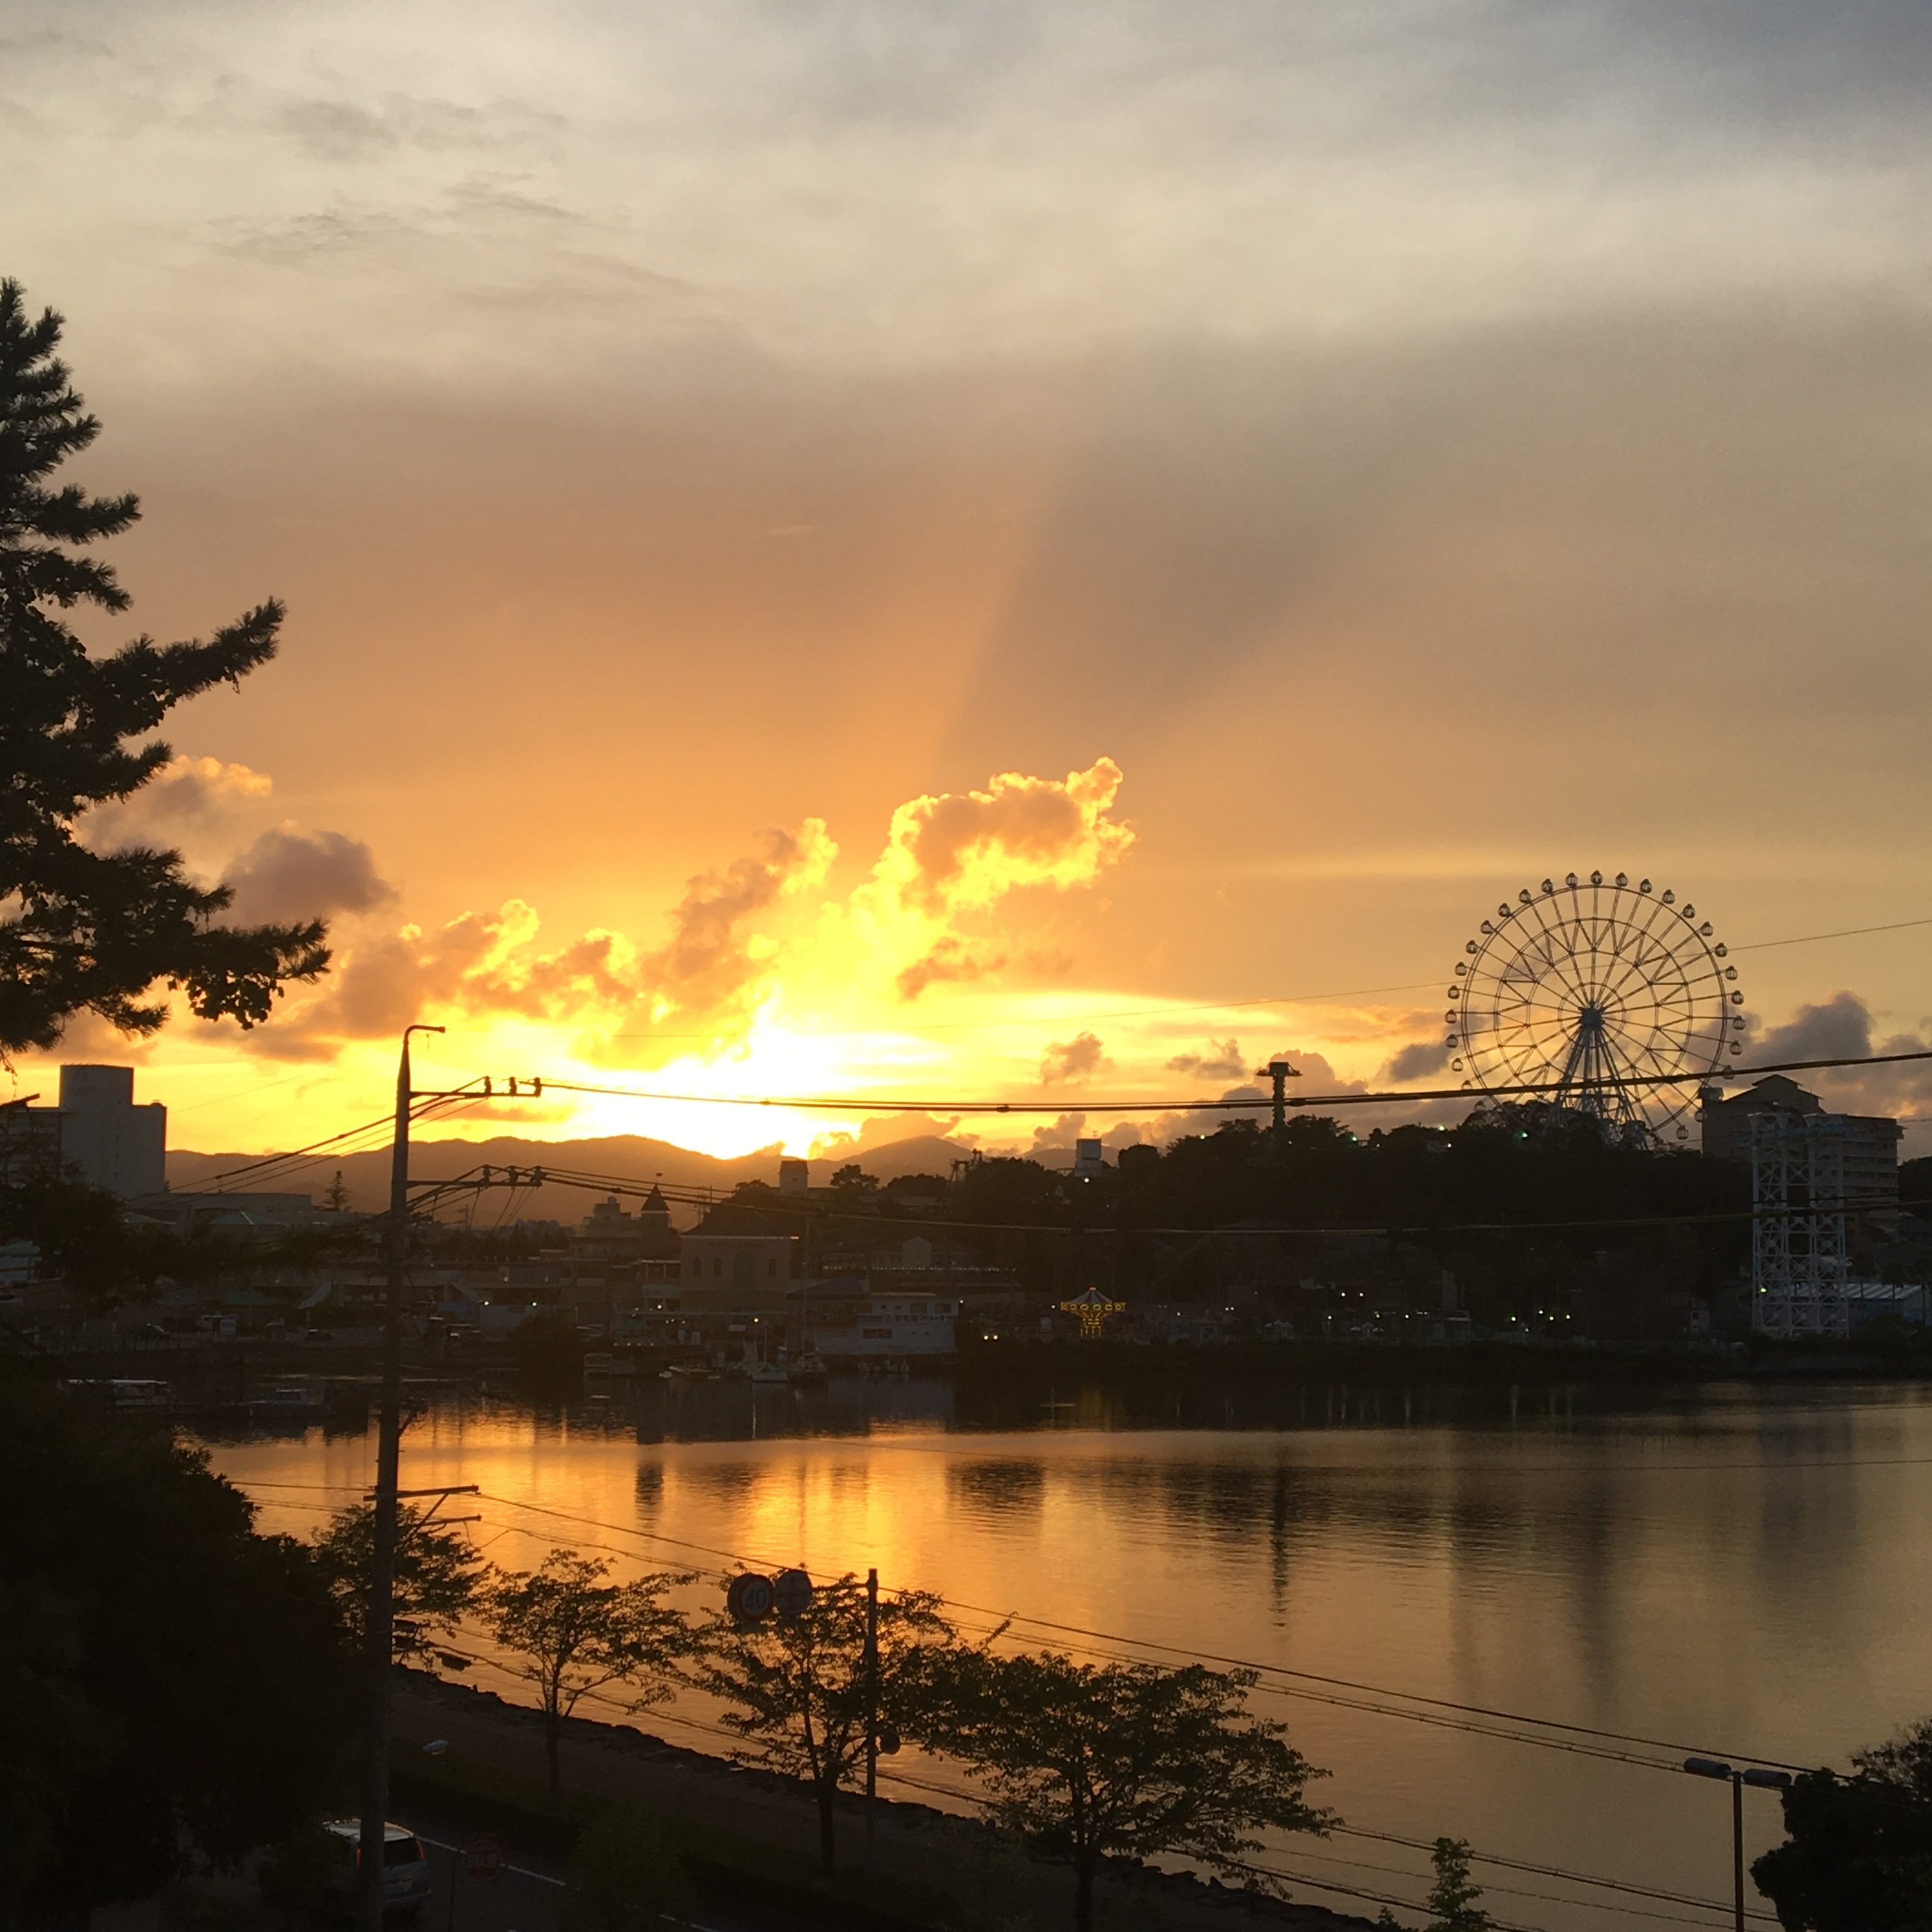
(632, 1157)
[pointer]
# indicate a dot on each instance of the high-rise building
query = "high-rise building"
(104, 1137)
(1867, 1143)
(1818, 1178)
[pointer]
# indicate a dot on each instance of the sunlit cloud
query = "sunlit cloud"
(186, 796)
(1067, 1062)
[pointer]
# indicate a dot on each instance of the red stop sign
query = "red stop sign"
(483, 1858)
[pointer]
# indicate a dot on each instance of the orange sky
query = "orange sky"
(1395, 455)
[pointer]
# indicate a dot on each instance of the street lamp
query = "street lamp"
(1767, 1780)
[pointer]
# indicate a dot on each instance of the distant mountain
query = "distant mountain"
(623, 1156)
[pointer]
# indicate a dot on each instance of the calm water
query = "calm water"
(1740, 1572)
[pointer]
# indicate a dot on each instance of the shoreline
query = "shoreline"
(754, 1830)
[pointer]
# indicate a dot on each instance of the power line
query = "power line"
(1843, 932)
(1621, 1886)
(609, 1184)
(329, 1148)
(967, 1794)
(1237, 1006)
(1467, 1095)
(374, 1132)
(1455, 1714)
(1547, 1897)
(1548, 1871)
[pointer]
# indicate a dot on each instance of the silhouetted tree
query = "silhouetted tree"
(1858, 1852)
(1453, 1898)
(439, 1576)
(86, 1236)
(570, 1632)
(172, 1686)
(798, 1691)
(84, 931)
(1087, 1761)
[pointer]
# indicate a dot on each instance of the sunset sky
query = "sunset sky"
(960, 550)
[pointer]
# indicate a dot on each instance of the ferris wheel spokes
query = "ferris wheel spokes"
(1606, 994)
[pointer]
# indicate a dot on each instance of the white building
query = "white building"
(884, 1326)
(106, 1138)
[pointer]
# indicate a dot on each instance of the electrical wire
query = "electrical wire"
(1242, 1103)
(1237, 1006)
(370, 1134)
(908, 1780)
(1547, 1897)
(604, 1183)
(1443, 1712)
(330, 1148)
(1550, 1871)
(1620, 1886)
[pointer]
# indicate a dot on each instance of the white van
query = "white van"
(406, 1879)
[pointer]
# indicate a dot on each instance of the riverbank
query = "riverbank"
(749, 1835)
(235, 1374)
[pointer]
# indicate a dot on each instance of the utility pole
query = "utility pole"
(872, 1706)
(1738, 1846)
(380, 1619)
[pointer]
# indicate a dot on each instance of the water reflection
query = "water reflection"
(1739, 1568)
(1008, 1487)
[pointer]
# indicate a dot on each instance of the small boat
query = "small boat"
(688, 1372)
(809, 1367)
(769, 1372)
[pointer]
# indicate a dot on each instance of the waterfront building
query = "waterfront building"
(847, 1323)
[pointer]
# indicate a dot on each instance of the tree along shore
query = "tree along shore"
(750, 1830)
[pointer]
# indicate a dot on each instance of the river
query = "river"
(1734, 1570)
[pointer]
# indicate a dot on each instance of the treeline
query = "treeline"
(1516, 1202)
(1081, 1761)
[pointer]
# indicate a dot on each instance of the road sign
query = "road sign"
(792, 1594)
(483, 1858)
(750, 1598)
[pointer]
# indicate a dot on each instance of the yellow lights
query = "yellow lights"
(1092, 1309)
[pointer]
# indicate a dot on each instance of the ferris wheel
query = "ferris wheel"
(1590, 990)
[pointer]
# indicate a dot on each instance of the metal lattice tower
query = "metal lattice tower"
(1799, 1261)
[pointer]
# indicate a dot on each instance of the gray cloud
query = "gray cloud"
(1843, 1027)
(1452, 503)
(1221, 1061)
(334, 129)
(1839, 1027)
(1416, 1061)
(287, 876)
(187, 796)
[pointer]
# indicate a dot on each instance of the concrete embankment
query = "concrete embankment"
(928, 1867)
